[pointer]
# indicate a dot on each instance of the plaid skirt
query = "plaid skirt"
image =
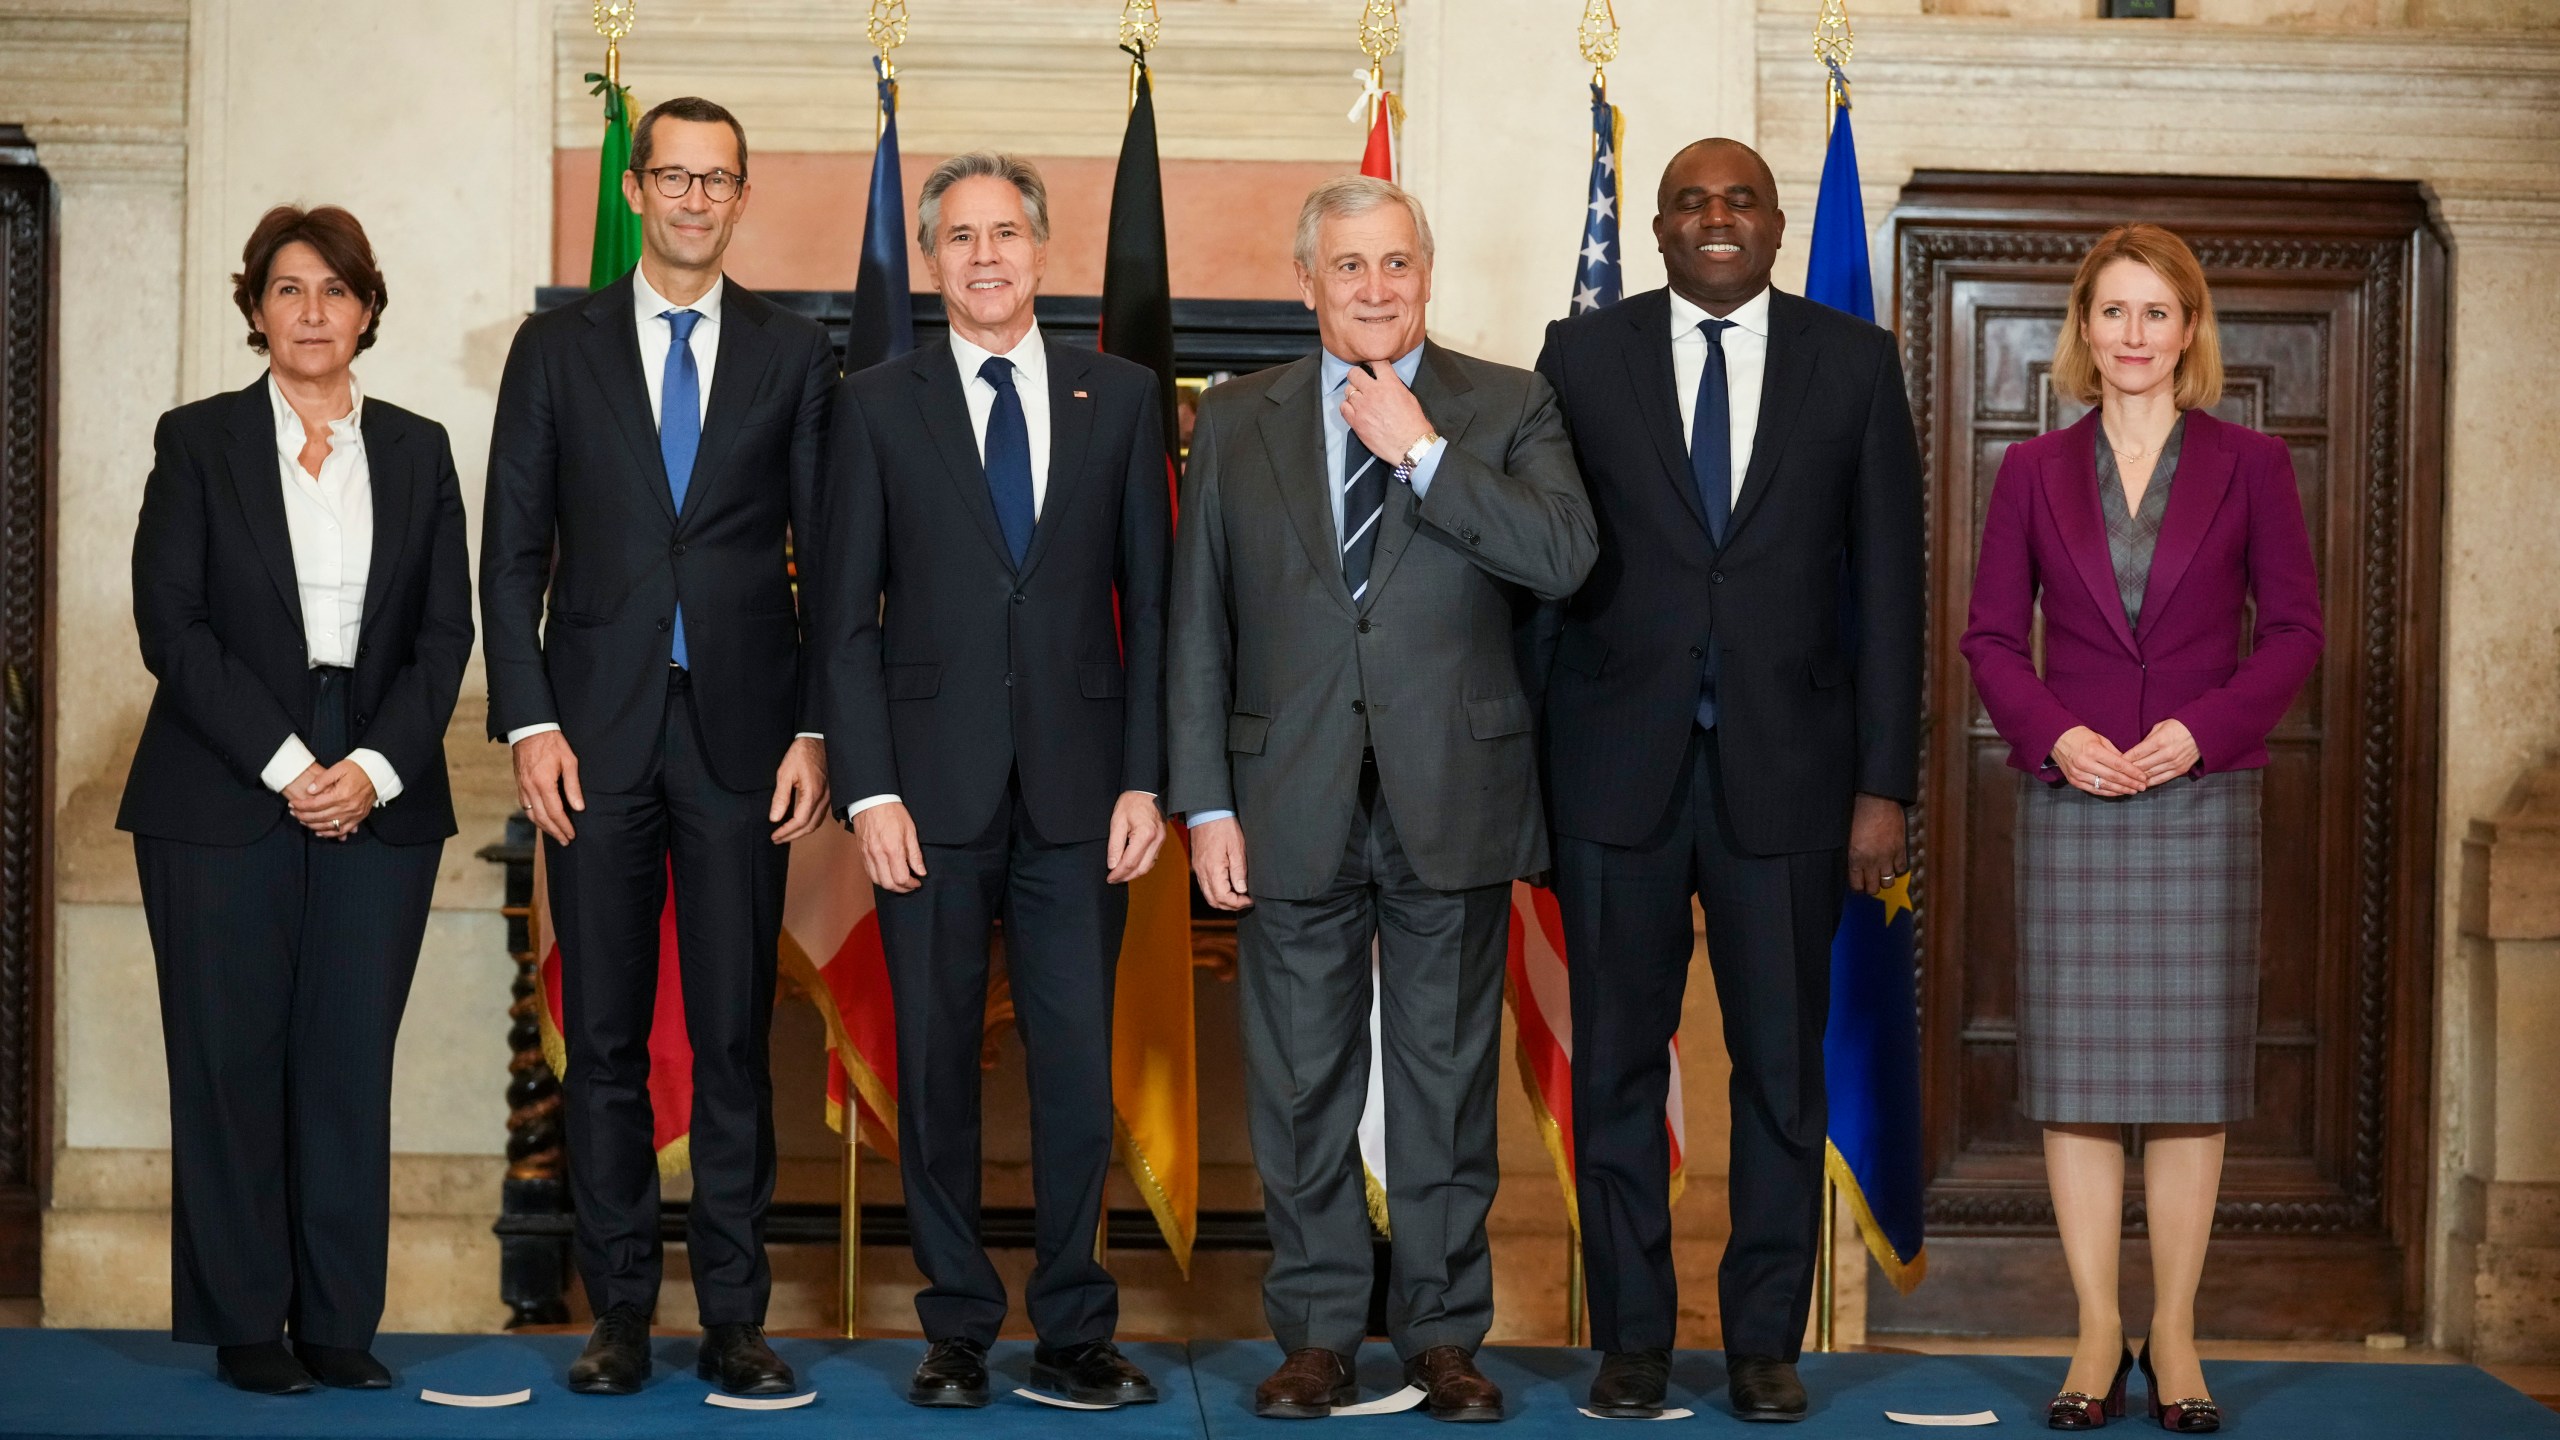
(2138, 952)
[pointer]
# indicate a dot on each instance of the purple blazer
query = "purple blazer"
(2234, 529)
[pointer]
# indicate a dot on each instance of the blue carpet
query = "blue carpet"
(66, 1383)
(61, 1383)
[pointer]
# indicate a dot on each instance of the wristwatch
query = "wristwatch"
(1413, 456)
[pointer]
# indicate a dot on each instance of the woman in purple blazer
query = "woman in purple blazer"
(2143, 531)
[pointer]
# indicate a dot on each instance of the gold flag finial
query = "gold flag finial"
(887, 30)
(1599, 37)
(1140, 26)
(613, 21)
(1833, 43)
(1380, 33)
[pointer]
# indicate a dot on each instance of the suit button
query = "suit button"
(1716, 579)
(1364, 627)
(1359, 707)
(679, 547)
(1019, 597)
(1697, 654)
(662, 622)
(1008, 679)
(362, 720)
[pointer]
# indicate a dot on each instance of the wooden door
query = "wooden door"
(2330, 297)
(26, 588)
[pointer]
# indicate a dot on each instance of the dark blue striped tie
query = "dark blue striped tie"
(1364, 503)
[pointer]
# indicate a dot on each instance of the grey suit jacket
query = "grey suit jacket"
(1276, 681)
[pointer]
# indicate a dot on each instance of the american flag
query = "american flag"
(1595, 273)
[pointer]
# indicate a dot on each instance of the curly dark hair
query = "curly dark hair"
(341, 242)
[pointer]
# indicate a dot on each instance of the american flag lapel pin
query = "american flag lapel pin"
(1082, 396)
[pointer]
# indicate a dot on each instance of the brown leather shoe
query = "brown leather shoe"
(1453, 1388)
(1306, 1386)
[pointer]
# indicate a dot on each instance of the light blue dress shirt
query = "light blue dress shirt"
(1336, 374)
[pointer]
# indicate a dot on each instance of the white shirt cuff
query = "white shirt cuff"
(291, 759)
(810, 735)
(524, 732)
(867, 802)
(1199, 818)
(377, 768)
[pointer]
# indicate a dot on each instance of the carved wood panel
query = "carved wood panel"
(26, 386)
(2330, 298)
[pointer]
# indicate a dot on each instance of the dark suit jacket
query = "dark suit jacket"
(1278, 681)
(1825, 537)
(970, 670)
(219, 610)
(578, 506)
(2233, 530)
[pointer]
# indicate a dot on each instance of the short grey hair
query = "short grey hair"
(1345, 196)
(988, 164)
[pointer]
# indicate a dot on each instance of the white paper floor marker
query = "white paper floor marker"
(1061, 1401)
(1978, 1417)
(475, 1402)
(1678, 1413)
(1396, 1404)
(758, 1402)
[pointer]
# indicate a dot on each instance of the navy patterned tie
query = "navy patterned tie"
(1009, 458)
(1364, 503)
(680, 424)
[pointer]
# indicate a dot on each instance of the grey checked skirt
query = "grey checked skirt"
(2138, 952)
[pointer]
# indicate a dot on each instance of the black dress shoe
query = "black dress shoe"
(1631, 1384)
(267, 1369)
(954, 1373)
(616, 1360)
(735, 1358)
(1310, 1384)
(1094, 1373)
(1763, 1388)
(342, 1367)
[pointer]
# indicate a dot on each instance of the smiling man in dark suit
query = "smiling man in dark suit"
(1733, 713)
(994, 663)
(655, 451)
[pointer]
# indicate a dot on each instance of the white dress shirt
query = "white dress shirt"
(1746, 362)
(1030, 380)
(657, 337)
(328, 519)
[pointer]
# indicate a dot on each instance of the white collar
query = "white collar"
(289, 432)
(1751, 314)
(648, 304)
(1029, 355)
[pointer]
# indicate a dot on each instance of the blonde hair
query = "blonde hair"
(2199, 379)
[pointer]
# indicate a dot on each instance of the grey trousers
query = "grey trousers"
(1304, 965)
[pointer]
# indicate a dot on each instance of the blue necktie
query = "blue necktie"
(1711, 467)
(680, 423)
(1009, 458)
(1364, 503)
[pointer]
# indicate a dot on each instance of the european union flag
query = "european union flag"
(1596, 274)
(1871, 1046)
(884, 321)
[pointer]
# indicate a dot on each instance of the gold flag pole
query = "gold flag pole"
(1833, 43)
(612, 19)
(886, 29)
(1140, 28)
(1381, 31)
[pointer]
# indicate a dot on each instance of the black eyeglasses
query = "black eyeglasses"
(674, 181)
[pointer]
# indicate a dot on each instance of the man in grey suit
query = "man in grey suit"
(1359, 531)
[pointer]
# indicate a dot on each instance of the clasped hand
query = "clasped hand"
(330, 802)
(2089, 763)
(1383, 412)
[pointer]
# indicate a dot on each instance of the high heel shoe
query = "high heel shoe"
(2072, 1410)
(2187, 1417)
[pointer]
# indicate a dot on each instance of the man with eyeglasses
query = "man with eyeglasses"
(655, 451)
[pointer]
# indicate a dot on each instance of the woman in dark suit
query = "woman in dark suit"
(304, 599)
(2143, 531)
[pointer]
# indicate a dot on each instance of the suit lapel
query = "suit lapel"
(946, 419)
(394, 466)
(259, 484)
(1070, 435)
(1657, 391)
(2204, 476)
(1784, 380)
(2071, 491)
(746, 353)
(613, 357)
(1448, 399)
(1293, 436)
